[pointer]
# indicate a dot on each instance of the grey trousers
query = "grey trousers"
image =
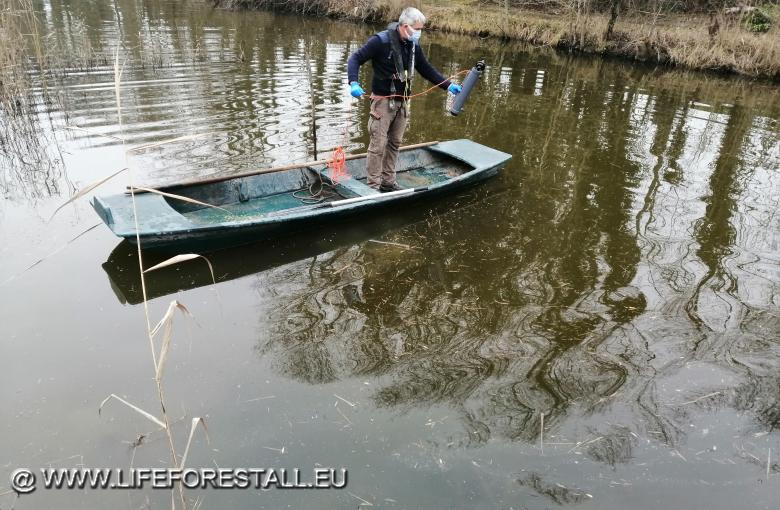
(386, 125)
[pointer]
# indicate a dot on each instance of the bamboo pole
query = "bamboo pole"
(293, 166)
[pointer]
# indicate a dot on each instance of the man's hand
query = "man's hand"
(454, 89)
(356, 89)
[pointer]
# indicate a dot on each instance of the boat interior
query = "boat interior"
(275, 193)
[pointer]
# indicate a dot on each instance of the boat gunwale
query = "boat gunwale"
(321, 210)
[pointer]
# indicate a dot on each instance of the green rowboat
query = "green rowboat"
(264, 205)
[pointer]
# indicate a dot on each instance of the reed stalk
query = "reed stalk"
(165, 325)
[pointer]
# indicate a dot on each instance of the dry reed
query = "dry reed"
(30, 162)
(159, 354)
(165, 324)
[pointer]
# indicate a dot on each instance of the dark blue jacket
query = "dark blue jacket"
(381, 58)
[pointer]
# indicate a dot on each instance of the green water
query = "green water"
(598, 327)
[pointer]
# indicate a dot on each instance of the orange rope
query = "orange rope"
(337, 166)
(424, 91)
(338, 162)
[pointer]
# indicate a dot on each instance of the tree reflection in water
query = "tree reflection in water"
(588, 291)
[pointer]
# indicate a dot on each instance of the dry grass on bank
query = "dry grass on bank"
(731, 49)
(678, 39)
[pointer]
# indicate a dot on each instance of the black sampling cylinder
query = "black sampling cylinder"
(468, 84)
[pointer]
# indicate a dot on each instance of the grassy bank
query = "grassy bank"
(709, 41)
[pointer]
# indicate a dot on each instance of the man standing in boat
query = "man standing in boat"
(394, 53)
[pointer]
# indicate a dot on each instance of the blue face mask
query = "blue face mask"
(416, 36)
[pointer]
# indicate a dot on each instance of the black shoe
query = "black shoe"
(386, 188)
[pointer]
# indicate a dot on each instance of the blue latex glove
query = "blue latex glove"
(454, 89)
(356, 89)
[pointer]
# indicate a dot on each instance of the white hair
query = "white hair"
(411, 16)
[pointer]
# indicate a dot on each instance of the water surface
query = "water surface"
(598, 327)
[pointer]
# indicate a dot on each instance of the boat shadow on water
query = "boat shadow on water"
(239, 261)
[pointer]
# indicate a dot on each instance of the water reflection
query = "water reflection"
(592, 284)
(31, 164)
(619, 279)
(121, 265)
